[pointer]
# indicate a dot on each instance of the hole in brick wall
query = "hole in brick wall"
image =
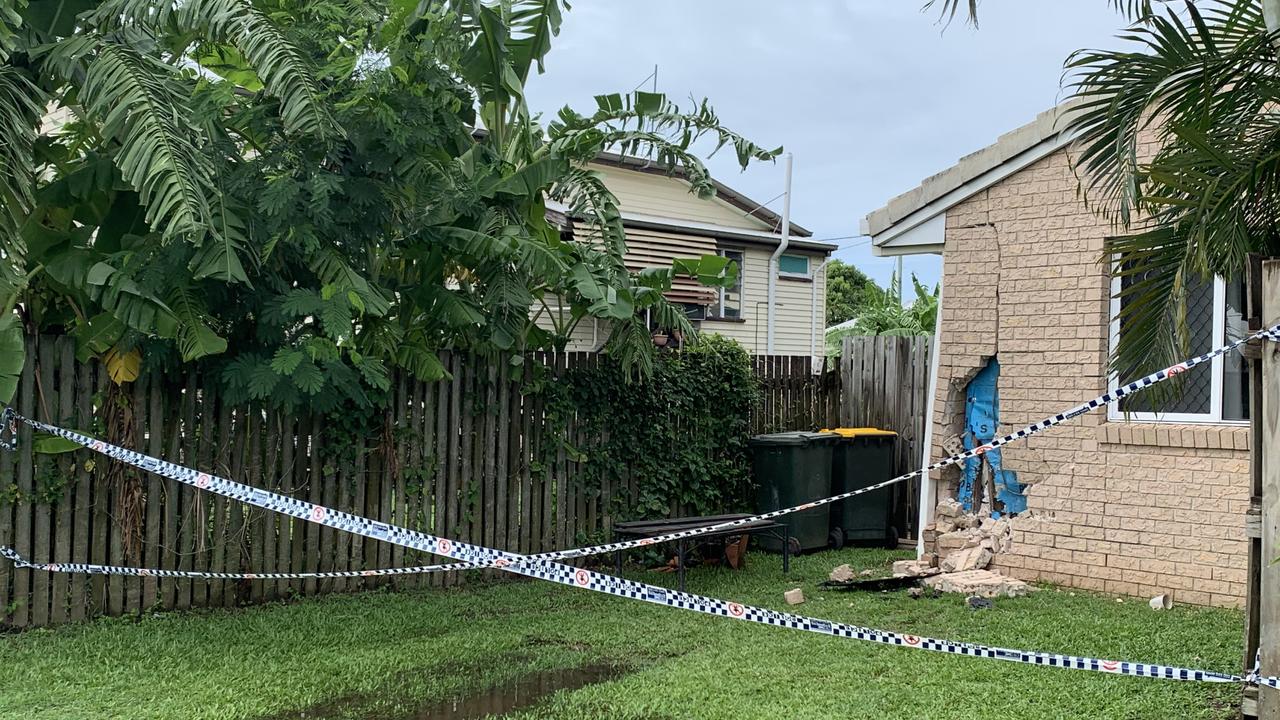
(985, 486)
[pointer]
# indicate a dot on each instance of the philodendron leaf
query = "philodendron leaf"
(12, 357)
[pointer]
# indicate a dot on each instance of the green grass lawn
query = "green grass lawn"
(388, 655)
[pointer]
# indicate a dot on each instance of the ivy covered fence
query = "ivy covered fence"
(533, 455)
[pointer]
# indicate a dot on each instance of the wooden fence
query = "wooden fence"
(469, 458)
(880, 382)
(794, 395)
(885, 384)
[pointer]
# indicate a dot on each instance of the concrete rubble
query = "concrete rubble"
(841, 574)
(915, 568)
(978, 583)
(959, 548)
(794, 596)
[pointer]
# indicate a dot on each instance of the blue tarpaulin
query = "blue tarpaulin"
(981, 419)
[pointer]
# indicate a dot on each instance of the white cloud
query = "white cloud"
(871, 95)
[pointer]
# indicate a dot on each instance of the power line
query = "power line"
(865, 239)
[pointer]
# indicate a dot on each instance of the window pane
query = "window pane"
(731, 297)
(1235, 371)
(1194, 396)
(794, 264)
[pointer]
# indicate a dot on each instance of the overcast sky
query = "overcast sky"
(871, 96)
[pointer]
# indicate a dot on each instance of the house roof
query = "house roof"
(915, 221)
(724, 192)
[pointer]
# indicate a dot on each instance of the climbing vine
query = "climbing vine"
(679, 436)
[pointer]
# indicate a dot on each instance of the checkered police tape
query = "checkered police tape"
(621, 587)
(8, 420)
(1102, 400)
(91, 569)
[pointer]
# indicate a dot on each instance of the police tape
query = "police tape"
(9, 419)
(620, 587)
(1272, 333)
(21, 562)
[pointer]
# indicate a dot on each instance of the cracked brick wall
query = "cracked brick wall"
(1130, 508)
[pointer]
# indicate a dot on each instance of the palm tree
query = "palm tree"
(120, 66)
(1200, 87)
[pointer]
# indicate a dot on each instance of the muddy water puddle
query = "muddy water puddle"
(526, 691)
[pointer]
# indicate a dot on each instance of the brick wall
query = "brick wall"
(1128, 508)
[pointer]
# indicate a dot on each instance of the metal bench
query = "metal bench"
(656, 528)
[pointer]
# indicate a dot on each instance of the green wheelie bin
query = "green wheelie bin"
(863, 457)
(793, 468)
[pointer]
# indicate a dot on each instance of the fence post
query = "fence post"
(1268, 452)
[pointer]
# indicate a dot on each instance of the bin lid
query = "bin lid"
(798, 437)
(861, 432)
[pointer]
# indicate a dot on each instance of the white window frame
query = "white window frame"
(742, 286)
(808, 259)
(1216, 368)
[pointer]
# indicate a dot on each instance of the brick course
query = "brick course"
(1120, 507)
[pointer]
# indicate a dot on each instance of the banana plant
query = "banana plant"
(500, 45)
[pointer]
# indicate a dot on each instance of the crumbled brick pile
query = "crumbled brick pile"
(958, 548)
(958, 541)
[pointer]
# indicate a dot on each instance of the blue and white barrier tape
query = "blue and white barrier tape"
(1103, 400)
(620, 587)
(91, 569)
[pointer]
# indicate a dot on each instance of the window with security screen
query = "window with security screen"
(1213, 392)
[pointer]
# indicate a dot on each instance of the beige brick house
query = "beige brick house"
(1123, 501)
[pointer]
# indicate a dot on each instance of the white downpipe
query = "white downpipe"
(928, 493)
(901, 286)
(813, 318)
(782, 247)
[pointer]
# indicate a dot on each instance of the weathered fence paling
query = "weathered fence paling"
(459, 459)
(880, 382)
(471, 457)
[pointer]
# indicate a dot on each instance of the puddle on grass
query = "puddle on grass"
(523, 693)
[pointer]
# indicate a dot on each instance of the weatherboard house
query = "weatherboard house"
(665, 221)
(1124, 499)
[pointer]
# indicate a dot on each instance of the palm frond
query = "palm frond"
(1136, 10)
(195, 339)
(221, 254)
(1178, 145)
(139, 104)
(19, 117)
(284, 71)
(1212, 66)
